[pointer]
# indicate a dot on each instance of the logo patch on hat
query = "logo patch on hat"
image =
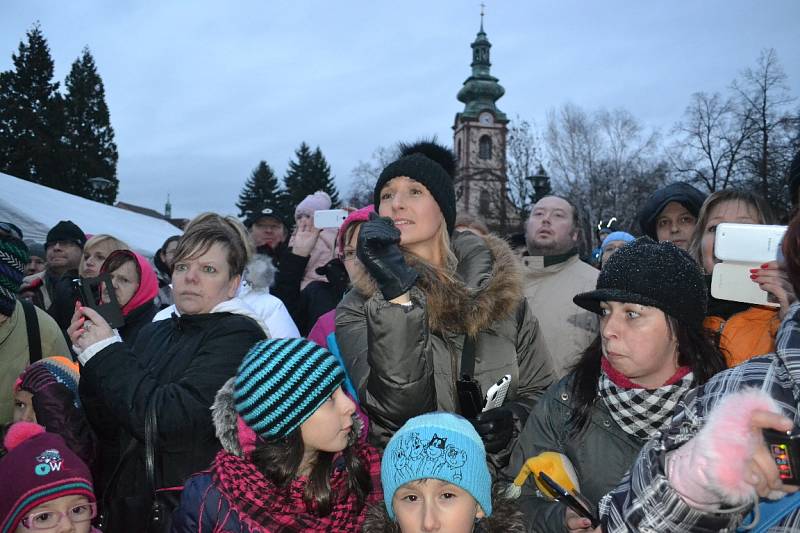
(413, 457)
(49, 461)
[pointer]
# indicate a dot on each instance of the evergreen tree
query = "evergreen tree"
(308, 174)
(91, 151)
(321, 179)
(31, 115)
(261, 190)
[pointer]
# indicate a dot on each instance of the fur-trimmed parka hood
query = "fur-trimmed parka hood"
(506, 518)
(489, 286)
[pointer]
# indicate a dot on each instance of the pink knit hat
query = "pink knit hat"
(360, 215)
(313, 202)
(39, 467)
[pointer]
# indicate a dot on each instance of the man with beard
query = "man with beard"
(554, 274)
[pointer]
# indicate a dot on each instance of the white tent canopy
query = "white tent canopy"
(36, 209)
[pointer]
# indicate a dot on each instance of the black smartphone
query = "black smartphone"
(470, 399)
(90, 292)
(568, 499)
(785, 451)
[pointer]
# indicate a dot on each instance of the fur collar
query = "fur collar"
(506, 518)
(488, 286)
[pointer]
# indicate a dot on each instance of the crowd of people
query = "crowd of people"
(408, 371)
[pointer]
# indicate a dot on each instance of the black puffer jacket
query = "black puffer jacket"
(404, 360)
(177, 364)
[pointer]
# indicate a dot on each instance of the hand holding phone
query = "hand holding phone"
(570, 500)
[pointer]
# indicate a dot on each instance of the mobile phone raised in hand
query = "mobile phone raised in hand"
(747, 243)
(743, 247)
(92, 292)
(564, 496)
(785, 451)
(496, 394)
(329, 218)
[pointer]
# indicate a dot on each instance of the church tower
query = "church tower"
(479, 141)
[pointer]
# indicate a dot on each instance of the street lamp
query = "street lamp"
(541, 184)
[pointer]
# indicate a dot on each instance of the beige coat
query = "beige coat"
(567, 328)
(14, 353)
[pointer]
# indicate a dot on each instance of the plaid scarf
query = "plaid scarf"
(263, 506)
(638, 411)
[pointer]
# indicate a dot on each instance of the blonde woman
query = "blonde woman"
(96, 251)
(402, 330)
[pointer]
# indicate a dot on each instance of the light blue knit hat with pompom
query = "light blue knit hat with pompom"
(281, 382)
(437, 446)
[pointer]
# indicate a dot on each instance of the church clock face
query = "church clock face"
(485, 118)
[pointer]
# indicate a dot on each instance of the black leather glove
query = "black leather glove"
(378, 250)
(336, 273)
(496, 427)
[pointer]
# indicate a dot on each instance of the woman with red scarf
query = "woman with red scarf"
(135, 286)
(652, 348)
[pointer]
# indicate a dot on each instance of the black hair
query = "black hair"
(697, 349)
(280, 460)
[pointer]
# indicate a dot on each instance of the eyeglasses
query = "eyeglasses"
(347, 255)
(50, 519)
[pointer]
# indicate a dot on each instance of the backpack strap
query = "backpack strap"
(32, 325)
(770, 513)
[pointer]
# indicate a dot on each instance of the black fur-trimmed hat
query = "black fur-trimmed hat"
(430, 164)
(655, 274)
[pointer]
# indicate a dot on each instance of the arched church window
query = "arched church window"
(484, 203)
(485, 147)
(458, 149)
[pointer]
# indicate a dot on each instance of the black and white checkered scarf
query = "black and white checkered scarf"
(641, 412)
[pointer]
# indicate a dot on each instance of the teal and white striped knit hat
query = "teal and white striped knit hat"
(281, 382)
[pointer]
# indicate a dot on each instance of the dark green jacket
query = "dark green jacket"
(601, 454)
(404, 360)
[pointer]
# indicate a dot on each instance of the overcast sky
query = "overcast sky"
(200, 91)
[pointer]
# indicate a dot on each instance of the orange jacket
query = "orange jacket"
(746, 334)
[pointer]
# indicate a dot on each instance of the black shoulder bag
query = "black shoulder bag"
(165, 500)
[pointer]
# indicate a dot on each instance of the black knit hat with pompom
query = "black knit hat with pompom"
(657, 274)
(430, 164)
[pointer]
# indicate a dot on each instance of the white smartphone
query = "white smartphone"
(329, 218)
(496, 394)
(748, 243)
(731, 281)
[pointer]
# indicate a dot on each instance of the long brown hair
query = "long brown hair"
(280, 460)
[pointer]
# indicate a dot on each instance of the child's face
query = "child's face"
(23, 407)
(435, 505)
(69, 514)
(328, 429)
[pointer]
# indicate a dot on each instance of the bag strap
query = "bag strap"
(468, 357)
(32, 325)
(769, 513)
(150, 445)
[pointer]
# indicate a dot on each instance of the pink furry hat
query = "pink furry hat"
(313, 202)
(712, 468)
